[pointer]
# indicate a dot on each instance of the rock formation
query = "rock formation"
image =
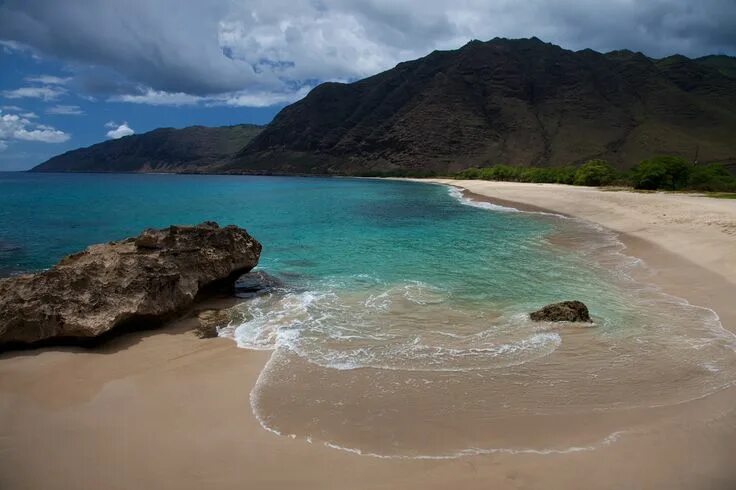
(139, 281)
(210, 321)
(255, 283)
(566, 311)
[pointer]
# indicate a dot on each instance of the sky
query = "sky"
(77, 72)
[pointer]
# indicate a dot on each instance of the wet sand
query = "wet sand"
(164, 409)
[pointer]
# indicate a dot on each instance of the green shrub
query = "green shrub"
(500, 172)
(666, 172)
(469, 174)
(661, 173)
(507, 173)
(399, 172)
(714, 178)
(595, 173)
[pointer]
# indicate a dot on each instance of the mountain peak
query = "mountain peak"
(515, 101)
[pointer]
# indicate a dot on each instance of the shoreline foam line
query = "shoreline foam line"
(612, 239)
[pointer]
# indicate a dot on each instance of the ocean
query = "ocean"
(401, 328)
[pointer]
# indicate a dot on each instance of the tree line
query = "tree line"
(658, 173)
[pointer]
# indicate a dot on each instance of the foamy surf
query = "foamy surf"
(370, 346)
(459, 194)
(381, 330)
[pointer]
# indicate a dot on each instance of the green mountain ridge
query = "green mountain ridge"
(190, 149)
(520, 102)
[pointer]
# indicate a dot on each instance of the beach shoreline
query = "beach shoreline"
(163, 409)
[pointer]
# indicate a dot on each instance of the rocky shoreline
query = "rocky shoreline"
(147, 279)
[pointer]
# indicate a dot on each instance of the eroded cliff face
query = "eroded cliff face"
(518, 102)
(145, 279)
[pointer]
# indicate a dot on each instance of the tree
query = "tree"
(595, 173)
(662, 173)
(713, 177)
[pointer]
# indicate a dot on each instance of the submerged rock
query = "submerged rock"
(255, 283)
(141, 280)
(566, 311)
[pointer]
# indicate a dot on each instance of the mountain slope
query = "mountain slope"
(724, 64)
(521, 102)
(192, 149)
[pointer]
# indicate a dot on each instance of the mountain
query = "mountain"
(724, 64)
(192, 149)
(514, 101)
(520, 102)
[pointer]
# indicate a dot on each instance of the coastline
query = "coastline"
(687, 241)
(163, 409)
(695, 229)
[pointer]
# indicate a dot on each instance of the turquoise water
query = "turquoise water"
(311, 228)
(403, 298)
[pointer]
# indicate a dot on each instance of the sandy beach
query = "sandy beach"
(164, 409)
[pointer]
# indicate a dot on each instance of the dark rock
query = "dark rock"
(143, 280)
(255, 283)
(210, 321)
(566, 311)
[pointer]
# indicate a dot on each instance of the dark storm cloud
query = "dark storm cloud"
(262, 50)
(168, 45)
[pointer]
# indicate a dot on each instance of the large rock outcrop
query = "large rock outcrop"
(137, 281)
(566, 311)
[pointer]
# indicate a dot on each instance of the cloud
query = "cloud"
(65, 110)
(263, 51)
(262, 98)
(49, 80)
(3, 145)
(44, 93)
(29, 115)
(158, 97)
(118, 130)
(15, 127)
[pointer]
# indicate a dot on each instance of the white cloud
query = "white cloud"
(11, 47)
(29, 115)
(260, 99)
(118, 130)
(45, 93)
(3, 145)
(15, 127)
(65, 110)
(48, 80)
(12, 108)
(158, 97)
